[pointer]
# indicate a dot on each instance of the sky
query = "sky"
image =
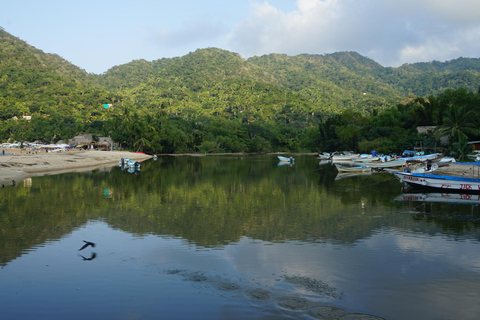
(97, 35)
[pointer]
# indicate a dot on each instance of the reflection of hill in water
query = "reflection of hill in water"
(209, 201)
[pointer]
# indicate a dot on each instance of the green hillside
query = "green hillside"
(186, 103)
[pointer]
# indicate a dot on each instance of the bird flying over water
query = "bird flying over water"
(87, 243)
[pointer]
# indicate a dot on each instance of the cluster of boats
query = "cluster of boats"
(417, 171)
(129, 165)
(350, 162)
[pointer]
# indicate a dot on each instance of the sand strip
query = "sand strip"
(21, 166)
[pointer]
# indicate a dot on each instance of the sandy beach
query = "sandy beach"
(22, 165)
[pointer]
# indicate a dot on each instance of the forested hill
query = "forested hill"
(331, 82)
(33, 81)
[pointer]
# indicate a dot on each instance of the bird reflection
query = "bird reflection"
(87, 243)
(93, 256)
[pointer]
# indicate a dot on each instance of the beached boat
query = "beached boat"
(351, 167)
(386, 164)
(425, 169)
(366, 158)
(285, 159)
(423, 158)
(443, 182)
(343, 156)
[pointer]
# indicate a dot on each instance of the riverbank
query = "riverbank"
(25, 165)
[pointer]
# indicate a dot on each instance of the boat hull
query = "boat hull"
(285, 159)
(387, 164)
(439, 182)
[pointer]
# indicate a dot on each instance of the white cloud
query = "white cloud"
(390, 32)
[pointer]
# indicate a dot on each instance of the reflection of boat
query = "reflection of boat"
(439, 181)
(452, 198)
(133, 165)
(343, 175)
(285, 159)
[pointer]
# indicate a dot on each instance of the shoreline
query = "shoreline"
(21, 166)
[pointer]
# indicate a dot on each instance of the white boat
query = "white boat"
(351, 167)
(424, 169)
(442, 182)
(387, 164)
(424, 158)
(285, 159)
(366, 158)
(447, 160)
(343, 156)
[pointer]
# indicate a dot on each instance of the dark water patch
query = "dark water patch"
(315, 286)
(258, 294)
(327, 312)
(227, 286)
(360, 316)
(294, 303)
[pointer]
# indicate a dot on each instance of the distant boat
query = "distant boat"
(285, 159)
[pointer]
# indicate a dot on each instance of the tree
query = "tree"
(458, 124)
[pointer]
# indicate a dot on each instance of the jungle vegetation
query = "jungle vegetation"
(212, 100)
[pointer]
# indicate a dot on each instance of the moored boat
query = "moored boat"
(423, 158)
(351, 167)
(387, 164)
(285, 159)
(443, 182)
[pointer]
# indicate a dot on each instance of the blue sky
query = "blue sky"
(99, 34)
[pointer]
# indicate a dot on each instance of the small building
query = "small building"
(87, 141)
(475, 144)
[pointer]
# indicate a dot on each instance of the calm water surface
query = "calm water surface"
(235, 238)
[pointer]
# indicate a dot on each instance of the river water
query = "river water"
(226, 237)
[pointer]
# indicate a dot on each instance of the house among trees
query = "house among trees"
(475, 145)
(91, 141)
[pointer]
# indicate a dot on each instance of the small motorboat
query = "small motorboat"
(285, 159)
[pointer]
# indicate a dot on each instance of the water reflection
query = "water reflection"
(262, 240)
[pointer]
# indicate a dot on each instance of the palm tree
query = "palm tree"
(458, 123)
